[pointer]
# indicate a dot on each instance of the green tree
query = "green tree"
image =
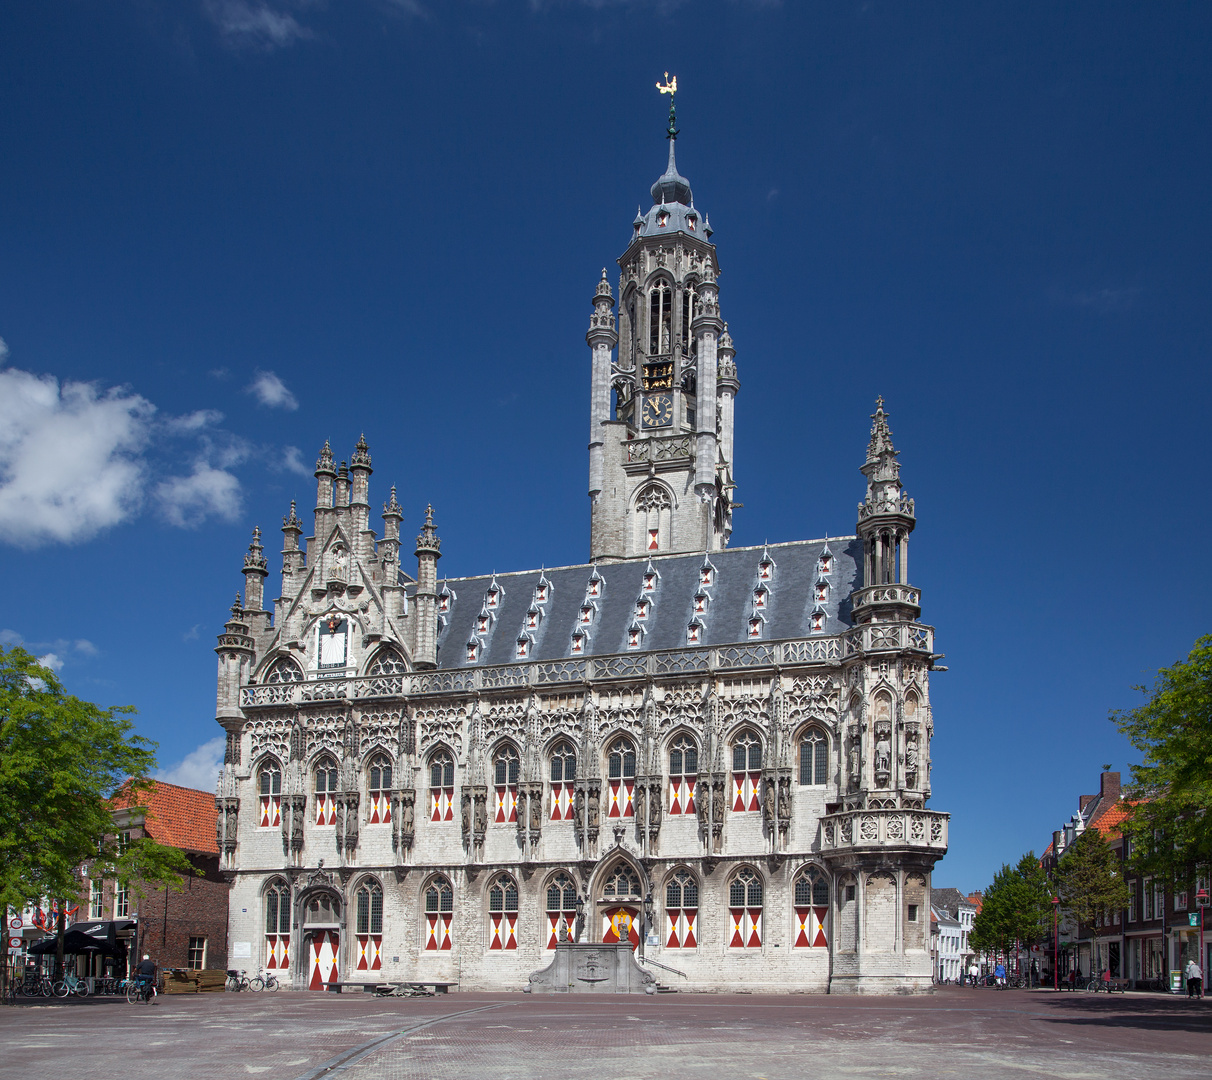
(61, 760)
(1016, 909)
(1089, 880)
(1170, 827)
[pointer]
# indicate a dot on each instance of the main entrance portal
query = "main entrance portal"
(620, 903)
(322, 940)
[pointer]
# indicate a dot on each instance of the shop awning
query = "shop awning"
(98, 936)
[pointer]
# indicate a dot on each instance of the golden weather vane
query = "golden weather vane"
(670, 88)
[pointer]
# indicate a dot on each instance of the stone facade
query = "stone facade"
(721, 755)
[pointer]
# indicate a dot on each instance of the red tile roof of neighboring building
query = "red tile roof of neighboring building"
(180, 817)
(1109, 820)
(977, 901)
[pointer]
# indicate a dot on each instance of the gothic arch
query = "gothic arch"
(279, 667)
(388, 659)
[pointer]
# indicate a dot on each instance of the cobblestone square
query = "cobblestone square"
(954, 1032)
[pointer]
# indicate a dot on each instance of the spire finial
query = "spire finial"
(670, 88)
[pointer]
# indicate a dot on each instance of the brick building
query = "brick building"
(186, 929)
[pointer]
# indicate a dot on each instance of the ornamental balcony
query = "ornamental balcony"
(903, 595)
(864, 831)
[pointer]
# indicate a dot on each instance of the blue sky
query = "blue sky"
(230, 229)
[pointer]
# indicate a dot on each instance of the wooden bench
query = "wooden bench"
(339, 987)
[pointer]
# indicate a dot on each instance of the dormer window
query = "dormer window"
(701, 599)
(765, 570)
(532, 618)
(694, 633)
(755, 626)
(662, 218)
(523, 647)
(444, 598)
(473, 650)
(707, 575)
(595, 587)
(642, 607)
(586, 614)
(760, 597)
(822, 592)
(818, 620)
(540, 592)
(692, 223)
(651, 577)
(483, 623)
(826, 562)
(635, 636)
(578, 643)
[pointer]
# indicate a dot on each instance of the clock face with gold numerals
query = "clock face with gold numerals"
(658, 410)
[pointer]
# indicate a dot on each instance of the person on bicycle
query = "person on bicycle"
(145, 973)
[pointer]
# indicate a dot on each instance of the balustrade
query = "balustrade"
(858, 830)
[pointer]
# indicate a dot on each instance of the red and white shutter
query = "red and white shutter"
(326, 810)
(370, 952)
(561, 802)
(271, 811)
(441, 804)
(380, 809)
(277, 952)
(746, 928)
(810, 927)
(437, 935)
(683, 928)
(745, 788)
(681, 799)
(506, 805)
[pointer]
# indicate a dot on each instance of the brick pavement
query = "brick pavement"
(956, 1032)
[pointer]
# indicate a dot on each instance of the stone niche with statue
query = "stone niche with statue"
(591, 968)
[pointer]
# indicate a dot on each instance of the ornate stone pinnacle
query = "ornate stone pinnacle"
(343, 471)
(880, 447)
(255, 558)
(392, 508)
(291, 521)
(427, 540)
(361, 454)
(237, 608)
(324, 461)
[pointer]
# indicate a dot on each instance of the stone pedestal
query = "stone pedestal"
(581, 968)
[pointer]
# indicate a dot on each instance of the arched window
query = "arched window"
(563, 774)
(690, 303)
(682, 910)
(439, 912)
(814, 757)
(811, 909)
(745, 907)
(269, 782)
(277, 926)
(653, 508)
(660, 320)
(441, 786)
(369, 926)
(683, 774)
(746, 772)
(283, 670)
(621, 774)
(503, 913)
(326, 787)
(561, 909)
(622, 894)
(378, 789)
(387, 662)
(505, 769)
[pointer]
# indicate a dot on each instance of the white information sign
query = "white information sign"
(241, 950)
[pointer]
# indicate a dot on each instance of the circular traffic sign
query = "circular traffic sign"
(14, 943)
(15, 922)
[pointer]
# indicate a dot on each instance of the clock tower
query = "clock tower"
(661, 412)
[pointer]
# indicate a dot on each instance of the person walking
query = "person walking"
(1195, 980)
(999, 973)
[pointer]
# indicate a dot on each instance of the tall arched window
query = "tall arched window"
(814, 757)
(561, 909)
(660, 320)
(653, 509)
(277, 926)
(326, 787)
(505, 769)
(439, 912)
(269, 782)
(683, 774)
(682, 910)
(690, 302)
(620, 767)
(503, 913)
(369, 926)
(441, 786)
(563, 775)
(745, 907)
(746, 772)
(387, 662)
(811, 908)
(378, 789)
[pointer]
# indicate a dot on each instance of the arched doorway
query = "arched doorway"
(323, 925)
(620, 901)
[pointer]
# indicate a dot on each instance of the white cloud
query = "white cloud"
(252, 24)
(3, 349)
(87, 647)
(193, 422)
(292, 461)
(51, 661)
(199, 768)
(186, 501)
(271, 391)
(70, 458)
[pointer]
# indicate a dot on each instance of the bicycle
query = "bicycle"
(270, 980)
(239, 980)
(70, 984)
(140, 990)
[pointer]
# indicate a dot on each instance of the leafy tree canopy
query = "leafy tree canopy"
(1170, 825)
(61, 759)
(1017, 907)
(1088, 878)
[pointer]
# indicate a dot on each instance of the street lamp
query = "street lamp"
(579, 927)
(1055, 944)
(1201, 898)
(647, 922)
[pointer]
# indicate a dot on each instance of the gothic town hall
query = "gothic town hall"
(721, 755)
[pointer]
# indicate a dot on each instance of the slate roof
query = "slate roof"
(179, 817)
(948, 901)
(788, 612)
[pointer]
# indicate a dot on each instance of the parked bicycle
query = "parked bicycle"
(71, 984)
(270, 980)
(239, 980)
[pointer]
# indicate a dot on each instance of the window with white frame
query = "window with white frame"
(561, 909)
(620, 765)
(441, 786)
(745, 909)
(746, 772)
(269, 783)
(814, 757)
(121, 901)
(683, 774)
(503, 914)
(505, 767)
(681, 910)
(378, 789)
(96, 899)
(197, 954)
(563, 777)
(327, 784)
(439, 914)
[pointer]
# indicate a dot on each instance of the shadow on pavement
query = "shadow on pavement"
(1129, 1011)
